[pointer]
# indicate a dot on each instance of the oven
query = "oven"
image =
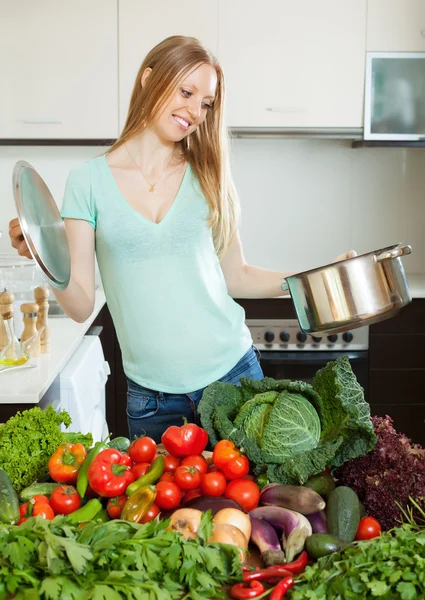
(287, 352)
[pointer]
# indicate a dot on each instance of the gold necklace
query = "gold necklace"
(151, 185)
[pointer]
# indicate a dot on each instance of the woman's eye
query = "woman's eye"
(208, 106)
(186, 93)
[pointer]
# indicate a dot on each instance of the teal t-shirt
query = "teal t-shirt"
(178, 328)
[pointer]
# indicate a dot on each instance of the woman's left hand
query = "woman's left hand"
(345, 256)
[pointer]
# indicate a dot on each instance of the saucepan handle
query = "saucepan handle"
(284, 286)
(396, 252)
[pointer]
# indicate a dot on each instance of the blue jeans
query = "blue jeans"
(150, 412)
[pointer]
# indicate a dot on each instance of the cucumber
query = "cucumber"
(343, 513)
(9, 501)
(45, 489)
(322, 484)
(322, 544)
(120, 443)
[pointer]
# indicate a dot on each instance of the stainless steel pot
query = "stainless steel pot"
(351, 293)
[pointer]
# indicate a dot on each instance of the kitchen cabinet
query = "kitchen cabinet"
(397, 370)
(143, 24)
(396, 25)
(58, 67)
(293, 64)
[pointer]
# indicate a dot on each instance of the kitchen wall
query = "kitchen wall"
(303, 201)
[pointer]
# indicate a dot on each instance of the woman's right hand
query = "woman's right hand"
(17, 239)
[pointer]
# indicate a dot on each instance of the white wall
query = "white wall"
(303, 201)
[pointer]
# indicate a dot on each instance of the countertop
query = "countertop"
(28, 386)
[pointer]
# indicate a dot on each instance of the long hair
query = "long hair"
(170, 61)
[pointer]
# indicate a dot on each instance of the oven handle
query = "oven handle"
(312, 358)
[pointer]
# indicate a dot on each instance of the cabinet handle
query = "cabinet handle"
(423, 32)
(40, 122)
(285, 109)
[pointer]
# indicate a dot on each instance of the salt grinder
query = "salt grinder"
(41, 295)
(30, 313)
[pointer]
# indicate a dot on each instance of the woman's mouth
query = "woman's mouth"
(182, 123)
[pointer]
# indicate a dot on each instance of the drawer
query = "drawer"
(392, 386)
(396, 351)
(411, 319)
(407, 418)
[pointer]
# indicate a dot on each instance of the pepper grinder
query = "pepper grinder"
(41, 295)
(6, 312)
(30, 312)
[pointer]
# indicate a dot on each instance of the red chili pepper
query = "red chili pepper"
(185, 440)
(297, 565)
(109, 474)
(281, 588)
(278, 571)
(242, 591)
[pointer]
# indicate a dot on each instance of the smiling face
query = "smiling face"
(188, 105)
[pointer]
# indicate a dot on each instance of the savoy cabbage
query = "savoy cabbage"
(291, 429)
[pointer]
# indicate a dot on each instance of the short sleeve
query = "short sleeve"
(78, 201)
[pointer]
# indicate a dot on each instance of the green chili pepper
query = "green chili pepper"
(102, 516)
(150, 477)
(83, 477)
(262, 480)
(87, 512)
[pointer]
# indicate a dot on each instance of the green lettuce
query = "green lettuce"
(291, 429)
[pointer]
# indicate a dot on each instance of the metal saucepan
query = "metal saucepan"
(351, 293)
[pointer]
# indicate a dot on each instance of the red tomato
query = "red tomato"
(65, 499)
(244, 492)
(368, 528)
(230, 460)
(170, 463)
(212, 469)
(187, 478)
(191, 494)
(167, 495)
(40, 499)
(140, 469)
(114, 506)
(166, 477)
(151, 514)
(195, 460)
(213, 484)
(44, 510)
(142, 450)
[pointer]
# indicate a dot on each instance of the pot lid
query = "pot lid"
(42, 225)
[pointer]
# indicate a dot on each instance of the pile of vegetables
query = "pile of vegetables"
(290, 429)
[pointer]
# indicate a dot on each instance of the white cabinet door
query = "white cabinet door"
(396, 25)
(293, 63)
(144, 23)
(58, 69)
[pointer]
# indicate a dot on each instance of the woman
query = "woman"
(161, 210)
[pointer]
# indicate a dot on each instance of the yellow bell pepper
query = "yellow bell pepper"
(138, 504)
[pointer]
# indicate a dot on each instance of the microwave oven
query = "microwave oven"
(395, 96)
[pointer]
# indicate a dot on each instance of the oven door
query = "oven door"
(302, 366)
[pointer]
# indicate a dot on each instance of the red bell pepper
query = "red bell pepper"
(110, 473)
(185, 440)
(65, 463)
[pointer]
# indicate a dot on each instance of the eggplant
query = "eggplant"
(265, 538)
(204, 503)
(295, 526)
(295, 497)
(318, 522)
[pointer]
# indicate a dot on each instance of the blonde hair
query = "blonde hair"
(208, 155)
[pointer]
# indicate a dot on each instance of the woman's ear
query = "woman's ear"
(145, 76)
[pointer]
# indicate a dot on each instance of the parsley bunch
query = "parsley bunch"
(390, 567)
(54, 560)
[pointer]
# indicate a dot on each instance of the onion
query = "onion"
(233, 516)
(186, 521)
(229, 534)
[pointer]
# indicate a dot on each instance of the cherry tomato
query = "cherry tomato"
(40, 499)
(230, 460)
(170, 463)
(151, 514)
(191, 494)
(140, 469)
(187, 478)
(23, 509)
(167, 495)
(142, 450)
(213, 484)
(368, 528)
(244, 492)
(114, 506)
(212, 469)
(167, 477)
(195, 460)
(44, 510)
(65, 499)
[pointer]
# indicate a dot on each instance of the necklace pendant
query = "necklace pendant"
(152, 188)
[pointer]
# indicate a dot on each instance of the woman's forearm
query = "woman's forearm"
(75, 301)
(255, 282)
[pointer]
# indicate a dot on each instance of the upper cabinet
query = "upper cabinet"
(58, 68)
(396, 25)
(293, 63)
(143, 24)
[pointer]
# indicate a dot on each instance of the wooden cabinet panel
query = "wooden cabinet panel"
(411, 319)
(407, 418)
(396, 25)
(392, 351)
